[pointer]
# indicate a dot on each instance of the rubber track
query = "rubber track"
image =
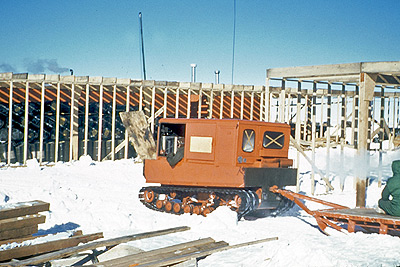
(249, 197)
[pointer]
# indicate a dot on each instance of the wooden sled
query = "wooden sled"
(339, 216)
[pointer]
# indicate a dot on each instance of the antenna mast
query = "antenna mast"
(142, 46)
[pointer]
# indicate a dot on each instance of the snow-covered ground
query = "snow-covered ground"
(103, 197)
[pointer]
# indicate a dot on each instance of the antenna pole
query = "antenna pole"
(142, 46)
(234, 37)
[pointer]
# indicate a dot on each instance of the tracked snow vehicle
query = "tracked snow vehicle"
(201, 164)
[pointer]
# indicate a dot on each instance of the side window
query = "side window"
(273, 140)
(172, 138)
(248, 140)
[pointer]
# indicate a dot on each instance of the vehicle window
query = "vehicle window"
(273, 140)
(248, 140)
(172, 137)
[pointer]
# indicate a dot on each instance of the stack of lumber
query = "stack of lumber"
(21, 219)
(17, 224)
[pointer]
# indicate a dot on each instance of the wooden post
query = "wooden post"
(152, 111)
(57, 141)
(298, 133)
(282, 102)
(343, 115)
(200, 103)
(114, 111)
(321, 126)
(252, 105)
(367, 86)
(86, 132)
(127, 109)
(232, 102)
(141, 97)
(74, 123)
(41, 123)
(241, 105)
(10, 120)
(381, 134)
(313, 133)
(267, 102)
(305, 117)
(100, 129)
(26, 120)
(343, 133)
(188, 103)
(211, 103)
(177, 103)
(328, 129)
(165, 102)
(356, 115)
(221, 105)
(262, 106)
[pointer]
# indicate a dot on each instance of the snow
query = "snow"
(103, 197)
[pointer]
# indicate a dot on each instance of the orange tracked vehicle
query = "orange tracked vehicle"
(205, 163)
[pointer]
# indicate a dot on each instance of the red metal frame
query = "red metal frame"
(363, 217)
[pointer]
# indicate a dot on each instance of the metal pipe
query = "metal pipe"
(217, 72)
(193, 78)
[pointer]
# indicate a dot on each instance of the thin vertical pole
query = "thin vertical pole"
(100, 130)
(153, 102)
(57, 141)
(342, 133)
(241, 105)
(10, 120)
(71, 124)
(211, 105)
(313, 128)
(356, 117)
(298, 133)
(221, 105)
(343, 114)
(282, 102)
(199, 104)
(85, 148)
(165, 102)
(328, 130)
(142, 46)
(141, 97)
(128, 104)
(381, 134)
(41, 124)
(188, 103)
(114, 111)
(267, 101)
(177, 103)
(262, 109)
(232, 102)
(252, 106)
(26, 120)
(306, 107)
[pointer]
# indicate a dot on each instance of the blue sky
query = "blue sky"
(101, 38)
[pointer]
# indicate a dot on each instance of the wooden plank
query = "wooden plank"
(25, 251)
(22, 239)
(152, 254)
(23, 208)
(93, 245)
(315, 71)
(19, 232)
(139, 133)
(21, 222)
(198, 254)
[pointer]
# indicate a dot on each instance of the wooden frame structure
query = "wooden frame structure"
(364, 83)
(70, 99)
